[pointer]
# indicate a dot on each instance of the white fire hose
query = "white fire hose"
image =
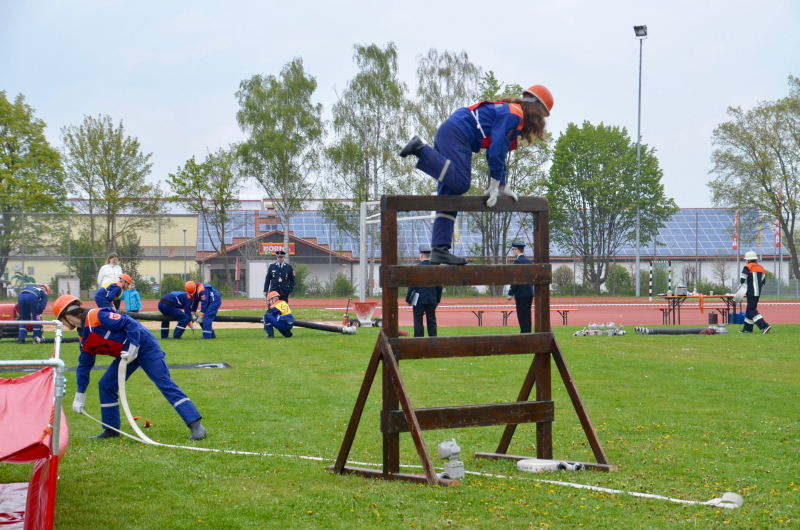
(728, 500)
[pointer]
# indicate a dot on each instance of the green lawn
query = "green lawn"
(683, 416)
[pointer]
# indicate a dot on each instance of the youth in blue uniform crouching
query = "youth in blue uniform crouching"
(32, 303)
(522, 294)
(492, 125)
(177, 305)
(208, 301)
(105, 332)
(278, 316)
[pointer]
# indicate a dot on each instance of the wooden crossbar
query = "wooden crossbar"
(435, 418)
(455, 203)
(471, 346)
(405, 275)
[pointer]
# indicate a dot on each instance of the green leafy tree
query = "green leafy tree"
(211, 190)
(172, 283)
(108, 169)
(31, 178)
(285, 131)
(83, 266)
(369, 123)
(593, 194)
(757, 166)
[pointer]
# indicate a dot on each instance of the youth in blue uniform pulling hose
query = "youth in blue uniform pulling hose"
(105, 332)
(107, 294)
(177, 305)
(32, 303)
(206, 301)
(491, 125)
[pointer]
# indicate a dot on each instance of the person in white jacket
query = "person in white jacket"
(109, 273)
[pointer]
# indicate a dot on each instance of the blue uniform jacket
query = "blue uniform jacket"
(105, 296)
(279, 278)
(204, 297)
(427, 295)
(499, 124)
(279, 315)
(41, 296)
(521, 291)
(180, 300)
(105, 332)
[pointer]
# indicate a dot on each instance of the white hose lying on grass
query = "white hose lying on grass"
(728, 500)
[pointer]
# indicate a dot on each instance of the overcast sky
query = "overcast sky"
(170, 70)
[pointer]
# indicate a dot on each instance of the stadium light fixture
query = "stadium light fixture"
(641, 32)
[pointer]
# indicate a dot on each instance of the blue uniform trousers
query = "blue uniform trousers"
(29, 310)
(283, 325)
(174, 312)
(151, 360)
(450, 162)
(208, 319)
(752, 316)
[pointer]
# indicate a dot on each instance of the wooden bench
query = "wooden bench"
(478, 312)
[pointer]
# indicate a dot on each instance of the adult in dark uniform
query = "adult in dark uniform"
(280, 277)
(754, 277)
(427, 298)
(522, 294)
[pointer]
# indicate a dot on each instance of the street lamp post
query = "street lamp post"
(641, 34)
(184, 255)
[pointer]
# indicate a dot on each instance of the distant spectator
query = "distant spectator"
(109, 273)
(133, 303)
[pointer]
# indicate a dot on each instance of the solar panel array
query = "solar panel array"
(703, 231)
(241, 224)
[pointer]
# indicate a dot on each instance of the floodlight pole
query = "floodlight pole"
(639, 168)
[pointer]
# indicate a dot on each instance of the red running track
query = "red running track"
(586, 310)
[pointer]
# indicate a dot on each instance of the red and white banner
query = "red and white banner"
(736, 232)
(777, 233)
(270, 248)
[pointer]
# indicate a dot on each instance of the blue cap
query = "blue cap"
(424, 249)
(518, 246)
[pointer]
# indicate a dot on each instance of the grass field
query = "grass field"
(683, 416)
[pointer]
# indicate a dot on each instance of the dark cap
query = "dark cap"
(280, 253)
(518, 246)
(424, 249)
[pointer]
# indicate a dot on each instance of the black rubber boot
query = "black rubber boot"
(271, 336)
(198, 431)
(441, 255)
(289, 334)
(107, 433)
(413, 147)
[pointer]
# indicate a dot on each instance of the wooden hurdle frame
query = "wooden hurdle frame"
(390, 349)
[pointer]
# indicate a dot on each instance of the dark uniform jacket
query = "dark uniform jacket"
(521, 291)
(755, 277)
(427, 295)
(280, 278)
